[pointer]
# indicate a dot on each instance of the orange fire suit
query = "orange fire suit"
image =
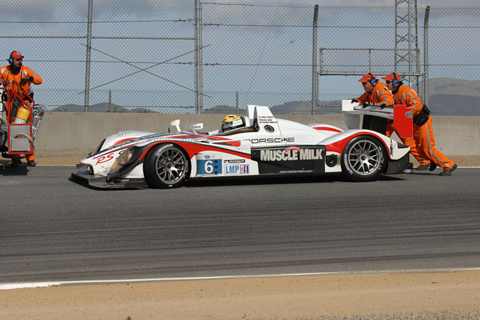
(6, 76)
(423, 137)
(380, 94)
(410, 100)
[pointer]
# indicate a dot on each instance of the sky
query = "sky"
(265, 47)
(50, 9)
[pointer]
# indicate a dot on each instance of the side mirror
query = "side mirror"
(176, 124)
(196, 126)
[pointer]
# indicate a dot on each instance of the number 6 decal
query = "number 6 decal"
(209, 166)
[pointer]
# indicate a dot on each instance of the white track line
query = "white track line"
(23, 285)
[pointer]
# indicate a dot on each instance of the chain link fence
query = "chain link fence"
(252, 54)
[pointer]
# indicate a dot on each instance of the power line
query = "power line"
(100, 21)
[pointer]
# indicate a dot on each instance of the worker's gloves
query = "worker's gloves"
(354, 100)
(25, 80)
(383, 105)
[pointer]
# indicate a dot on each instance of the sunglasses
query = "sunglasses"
(390, 81)
(364, 83)
(21, 59)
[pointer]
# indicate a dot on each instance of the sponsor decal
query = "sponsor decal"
(209, 167)
(296, 171)
(272, 140)
(105, 158)
(235, 161)
(175, 138)
(237, 169)
(292, 159)
(291, 154)
(267, 119)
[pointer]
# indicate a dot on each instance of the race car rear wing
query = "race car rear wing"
(374, 118)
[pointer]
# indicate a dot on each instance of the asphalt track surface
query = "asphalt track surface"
(53, 229)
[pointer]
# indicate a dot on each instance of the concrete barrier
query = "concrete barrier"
(76, 134)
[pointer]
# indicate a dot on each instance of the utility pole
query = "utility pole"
(314, 62)
(88, 58)
(407, 54)
(198, 57)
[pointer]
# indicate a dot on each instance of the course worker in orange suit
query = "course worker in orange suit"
(23, 76)
(422, 124)
(378, 93)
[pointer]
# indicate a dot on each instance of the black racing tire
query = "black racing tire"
(364, 159)
(166, 166)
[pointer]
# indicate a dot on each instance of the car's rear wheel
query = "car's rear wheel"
(166, 166)
(363, 159)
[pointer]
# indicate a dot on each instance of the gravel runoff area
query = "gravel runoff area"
(408, 295)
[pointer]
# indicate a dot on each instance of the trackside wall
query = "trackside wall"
(76, 134)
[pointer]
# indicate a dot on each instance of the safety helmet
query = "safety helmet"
(369, 77)
(394, 77)
(232, 121)
(14, 55)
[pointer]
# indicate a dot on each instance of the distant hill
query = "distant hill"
(454, 105)
(223, 109)
(305, 107)
(100, 107)
(449, 86)
(449, 96)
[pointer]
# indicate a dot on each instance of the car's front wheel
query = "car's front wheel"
(166, 166)
(363, 159)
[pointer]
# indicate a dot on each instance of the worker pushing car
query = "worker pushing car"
(377, 93)
(423, 136)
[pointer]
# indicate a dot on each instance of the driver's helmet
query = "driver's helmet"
(232, 121)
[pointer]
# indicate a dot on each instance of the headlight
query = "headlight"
(125, 158)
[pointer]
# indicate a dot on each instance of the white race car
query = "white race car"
(256, 144)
